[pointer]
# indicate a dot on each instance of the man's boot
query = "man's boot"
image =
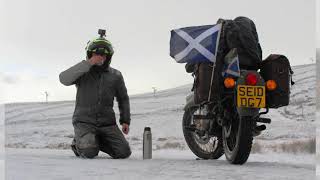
(73, 147)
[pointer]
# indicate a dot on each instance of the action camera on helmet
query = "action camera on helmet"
(102, 32)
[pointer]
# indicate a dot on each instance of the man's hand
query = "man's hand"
(125, 128)
(97, 59)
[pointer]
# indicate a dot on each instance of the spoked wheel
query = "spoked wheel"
(204, 146)
(237, 139)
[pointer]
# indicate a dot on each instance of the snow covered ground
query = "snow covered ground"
(41, 125)
(318, 144)
(2, 155)
(43, 164)
(285, 149)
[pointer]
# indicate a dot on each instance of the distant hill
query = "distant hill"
(318, 78)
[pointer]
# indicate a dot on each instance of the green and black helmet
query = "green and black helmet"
(99, 46)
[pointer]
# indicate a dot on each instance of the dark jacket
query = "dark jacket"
(95, 94)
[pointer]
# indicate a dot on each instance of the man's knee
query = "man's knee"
(88, 152)
(123, 153)
(87, 146)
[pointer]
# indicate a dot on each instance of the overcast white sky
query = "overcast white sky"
(318, 22)
(40, 38)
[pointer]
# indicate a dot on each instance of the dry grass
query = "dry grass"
(294, 147)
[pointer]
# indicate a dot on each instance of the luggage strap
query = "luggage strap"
(213, 66)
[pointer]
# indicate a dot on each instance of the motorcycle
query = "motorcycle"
(228, 126)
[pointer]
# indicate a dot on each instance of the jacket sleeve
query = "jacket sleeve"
(71, 75)
(123, 101)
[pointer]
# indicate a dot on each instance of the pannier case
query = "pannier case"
(277, 67)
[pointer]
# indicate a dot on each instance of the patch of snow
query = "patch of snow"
(49, 164)
(2, 148)
(318, 144)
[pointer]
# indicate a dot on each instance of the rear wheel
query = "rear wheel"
(237, 139)
(203, 146)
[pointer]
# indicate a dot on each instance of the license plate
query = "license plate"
(251, 96)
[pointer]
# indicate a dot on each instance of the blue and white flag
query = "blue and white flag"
(195, 44)
(231, 66)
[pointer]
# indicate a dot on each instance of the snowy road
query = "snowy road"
(167, 164)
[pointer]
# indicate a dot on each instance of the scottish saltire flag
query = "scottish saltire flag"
(232, 68)
(195, 44)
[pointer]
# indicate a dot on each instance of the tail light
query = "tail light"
(271, 85)
(251, 79)
(229, 83)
